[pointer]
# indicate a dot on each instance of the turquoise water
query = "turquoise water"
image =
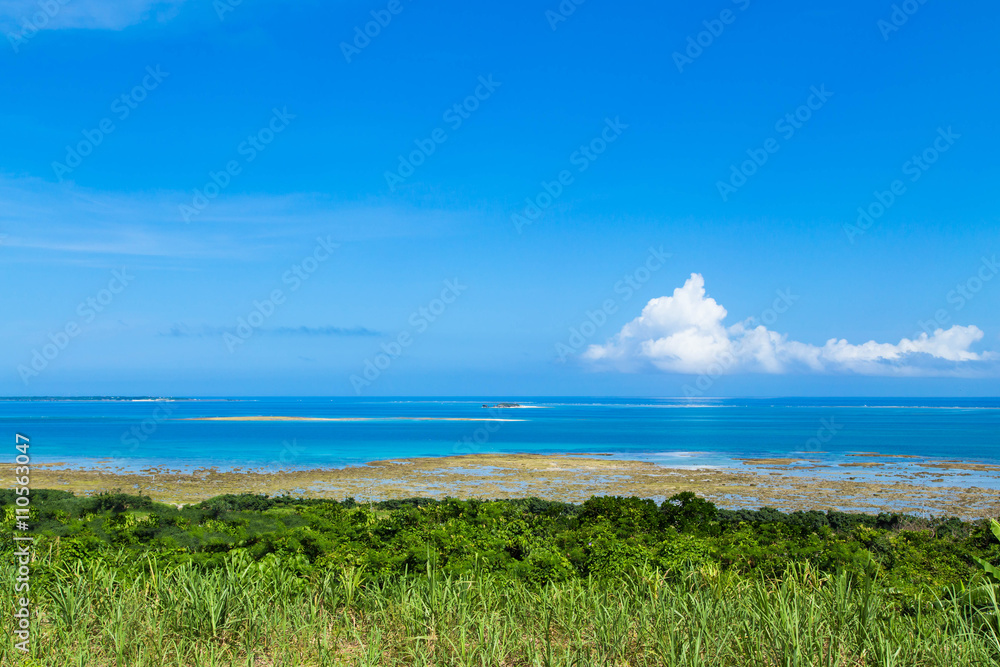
(672, 432)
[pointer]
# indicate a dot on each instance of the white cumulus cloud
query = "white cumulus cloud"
(684, 333)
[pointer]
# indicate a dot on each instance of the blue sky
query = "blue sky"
(295, 209)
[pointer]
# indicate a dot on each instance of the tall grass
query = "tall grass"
(139, 613)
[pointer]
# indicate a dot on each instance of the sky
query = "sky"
(725, 198)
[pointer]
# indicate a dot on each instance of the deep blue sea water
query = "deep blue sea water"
(672, 432)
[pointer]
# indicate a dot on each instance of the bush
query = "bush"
(629, 516)
(688, 513)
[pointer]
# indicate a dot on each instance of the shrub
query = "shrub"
(687, 512)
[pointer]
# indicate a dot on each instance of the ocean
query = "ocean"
(825, 434)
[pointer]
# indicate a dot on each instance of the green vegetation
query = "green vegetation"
(251, 580)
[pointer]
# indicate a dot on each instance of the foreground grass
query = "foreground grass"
(259, 613)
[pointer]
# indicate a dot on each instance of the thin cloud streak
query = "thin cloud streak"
(63, 220)
(184, 331)
(85, 14)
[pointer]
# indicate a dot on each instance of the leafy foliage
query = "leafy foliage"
(533, 540)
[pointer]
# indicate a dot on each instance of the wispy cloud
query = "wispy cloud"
(185, 331)
(684, 333)
(66, 222)
(325, 331)
(84, 14)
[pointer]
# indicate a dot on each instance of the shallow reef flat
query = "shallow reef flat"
(568, 478)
